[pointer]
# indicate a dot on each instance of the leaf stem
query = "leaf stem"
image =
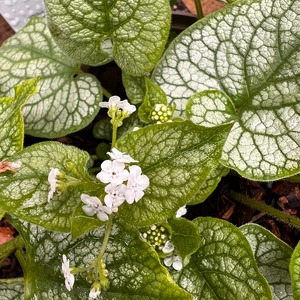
(279, 215)
(21, 258)
(199, 9)
(106, 93)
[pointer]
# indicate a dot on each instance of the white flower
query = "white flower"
(112, 172)
(168, 247)
(121, 156)
(136, 184)
(94, 206)
(115, 196)
(53, 182)
(175, 261)
(181, 211)
(66, 270)
(94, 293)
(115, 102)
(126, 106)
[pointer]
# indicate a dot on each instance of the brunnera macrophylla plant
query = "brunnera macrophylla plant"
(223, 95)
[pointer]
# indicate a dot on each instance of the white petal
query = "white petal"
(125, 105)
(168, 247)
(143, 182)
(94, 293)
(168, 261)
(114, 100)
(181, 211)
(90, 211)
(177, 263)
(120, 156)
(69, 282)
(138, 195)
(53, 182)
(102, 216)
(104, 104)
(129, 195)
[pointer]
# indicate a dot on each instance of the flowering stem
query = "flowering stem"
(199, 9)
(106, 93)
(279, 215)
(114, 135)
(106, 237)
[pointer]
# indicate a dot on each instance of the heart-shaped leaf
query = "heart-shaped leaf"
(250, 52)
(224, 266)
(67, 100)
(133, 266)
(133, 33)
(11, 120)
(135, 87)
(185, 236)
(24, 193)
(177, 157)
(272, 257)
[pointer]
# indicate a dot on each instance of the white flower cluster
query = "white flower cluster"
(114, 173)
(66, 270)
(172, 260)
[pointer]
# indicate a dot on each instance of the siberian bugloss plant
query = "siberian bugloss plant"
(223, 95)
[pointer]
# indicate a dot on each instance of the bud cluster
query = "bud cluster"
(156, 236)
(161, 113)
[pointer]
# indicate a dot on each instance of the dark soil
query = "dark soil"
(281, 195)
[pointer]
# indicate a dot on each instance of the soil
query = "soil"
(282, 195)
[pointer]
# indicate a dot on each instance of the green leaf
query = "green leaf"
(185, 236)
(177, 157)
(224, 266)
(135, 87)
(210, 108)
(81, 223)
(272, 257)
(134, 270)
(11, 120)
(102, 149)
(103, 130)
(295, 272)
(154, 95)
(12, 289)
(133, 33)
(24, 193)
(68, 100)
(210, 184)
(250, 52)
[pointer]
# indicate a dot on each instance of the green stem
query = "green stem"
(106, 93)
(199, 9)
(21, 258)
(106, 237)
(114, 135)
(279, 215)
